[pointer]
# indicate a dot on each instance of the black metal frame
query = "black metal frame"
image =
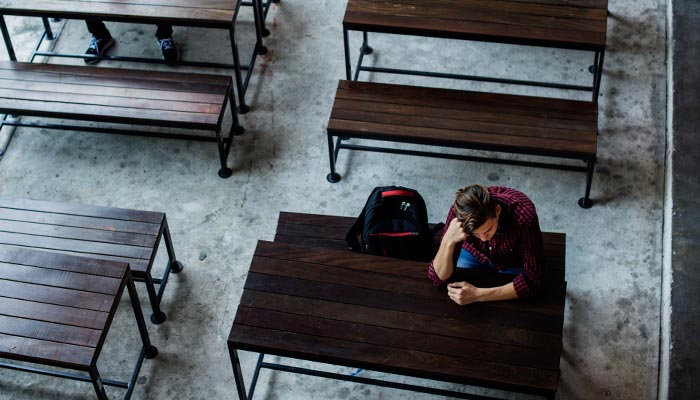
(147, 351)
(334, 149)
(264, 8)
(259, 13)
(596, 69)
(261, 364)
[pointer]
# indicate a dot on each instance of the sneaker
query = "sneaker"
(170, 53)
(97, 48)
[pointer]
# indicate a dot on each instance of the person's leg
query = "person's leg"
(98, 29)
(467, 261)
(100, 42)
(164, 34)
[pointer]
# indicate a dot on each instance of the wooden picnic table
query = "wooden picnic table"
(563, 24)
(383, 314)
(211, 14)
(56, 310)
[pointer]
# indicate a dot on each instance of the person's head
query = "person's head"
(477, 211)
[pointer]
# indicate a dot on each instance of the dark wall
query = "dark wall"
(685, 291)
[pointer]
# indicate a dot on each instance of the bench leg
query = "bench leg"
(97, 383)
(158, 316)
(585, 201)
(7, 39)
(260, 30)
(175, 266)
(346, 46)
(150, 351)
(242, 107)
(237, 374)
(333, 177)
(47, 29)
(365, 48)
(597, 70)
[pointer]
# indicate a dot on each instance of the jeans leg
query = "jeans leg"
(97, 28)
(164, 31)
(467, 261)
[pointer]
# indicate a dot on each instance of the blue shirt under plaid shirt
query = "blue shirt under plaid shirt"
(517, 242)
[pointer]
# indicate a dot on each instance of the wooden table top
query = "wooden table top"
(203, 13)
(107, 233)
(56, 309)
(574, 24)
(383, 314)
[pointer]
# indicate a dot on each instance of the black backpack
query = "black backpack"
(394, 223)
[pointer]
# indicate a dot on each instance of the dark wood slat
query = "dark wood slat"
(137, 78)
(494, 14)
(315, 219)
(466, 116)
(77, 221)
(69, 99)
(382, 358)
(53, 313)
(599, 4)
(397, 338)
(544, 342)
(479, 31)
(133, 93)
(347, 259)
(121, 115)
(126, 12)
(57, 296)
(83, 210)
(45, 352)
(439, 123)
(61, 279)
(401, 302)
(79, 246)
(48, 331)
(576, 9)
(467, 100)
(94, 235)
(463, 139)
(48, 259)
(213, 4)
(419, 287)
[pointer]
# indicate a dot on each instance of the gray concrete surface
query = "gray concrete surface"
(611, 334)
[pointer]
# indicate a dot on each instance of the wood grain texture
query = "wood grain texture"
(561, 24)
(104, 233)
(204, 13)
(113, 95)
(461, 119)
(56, 309)
(353, 309)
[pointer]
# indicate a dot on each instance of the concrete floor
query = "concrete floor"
(611, 334)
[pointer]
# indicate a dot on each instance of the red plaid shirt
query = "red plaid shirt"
(517, 242)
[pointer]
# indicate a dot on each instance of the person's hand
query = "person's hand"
(463, 292)
(455, 233)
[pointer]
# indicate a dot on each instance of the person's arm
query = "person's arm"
(444, 263)
(464, 293)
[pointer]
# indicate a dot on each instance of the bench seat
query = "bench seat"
(467, 120)
(102, 233)
(121, 96)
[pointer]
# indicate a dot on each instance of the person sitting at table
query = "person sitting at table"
(102, 40)
(496, 228)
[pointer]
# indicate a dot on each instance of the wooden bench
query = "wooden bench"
(526, 125)
(107, 95)
(218, 15)
(383, 314)
(102, 233)
(56, 310)
(559, 24)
